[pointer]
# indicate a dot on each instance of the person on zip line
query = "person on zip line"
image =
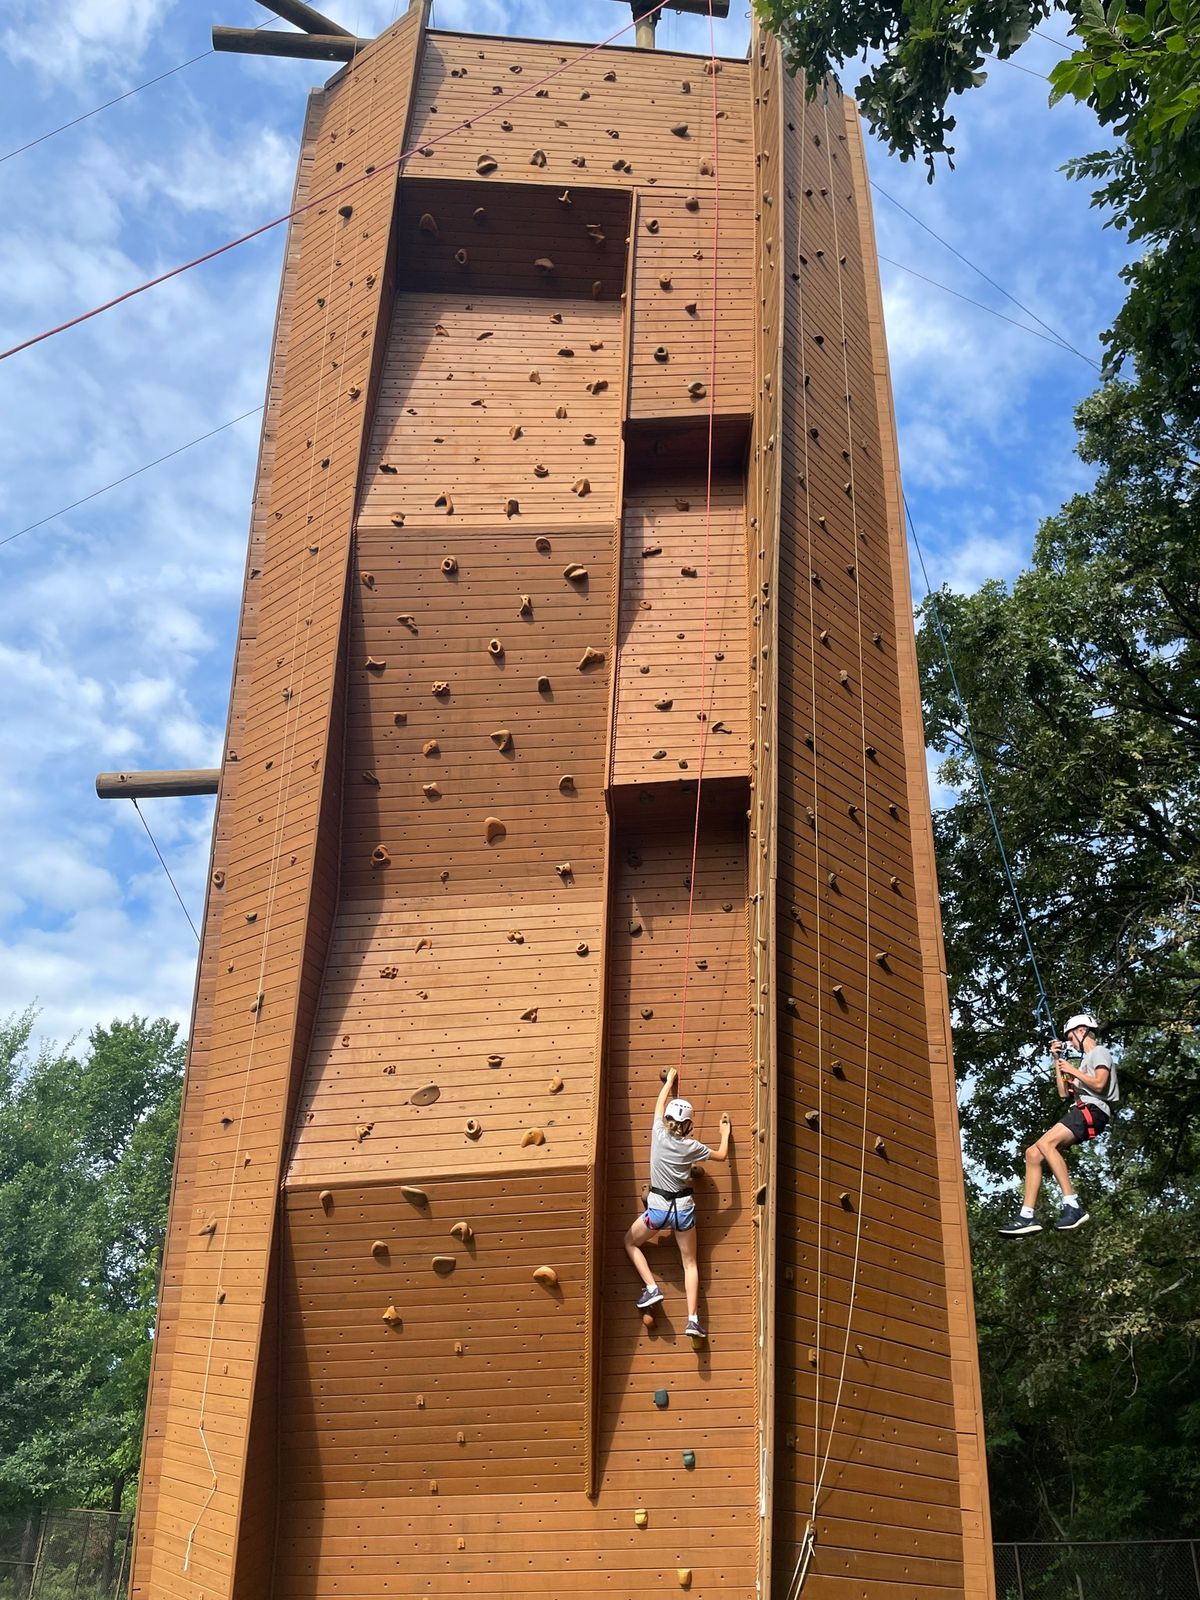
(1091, 1086)
(670, 1201)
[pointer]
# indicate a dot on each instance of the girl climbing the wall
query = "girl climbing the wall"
(670, 1203)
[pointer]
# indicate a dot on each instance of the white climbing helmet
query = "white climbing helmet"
(1082, 1019)
(680, 1110)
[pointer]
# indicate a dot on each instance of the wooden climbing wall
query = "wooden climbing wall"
(578, 481)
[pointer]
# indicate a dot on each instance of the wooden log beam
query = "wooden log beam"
(304, 46)
(698, 8)
(302, 16)
(157, 785)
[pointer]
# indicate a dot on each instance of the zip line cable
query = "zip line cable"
(966, 260)
(323, 199)
(137, 471)
(1042, 1010)
(991, 310)
(117, 99)
(166, 869)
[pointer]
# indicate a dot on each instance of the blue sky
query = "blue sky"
(117, 620)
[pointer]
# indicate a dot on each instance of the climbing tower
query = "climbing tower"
(574, 734)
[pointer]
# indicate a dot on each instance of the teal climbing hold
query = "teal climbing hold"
(661, 1399)
(689, 1459)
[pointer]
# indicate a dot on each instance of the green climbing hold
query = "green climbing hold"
(689, 1459)
(661, 1399)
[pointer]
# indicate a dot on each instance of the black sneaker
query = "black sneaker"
(1019, 1225)
(1070, 1217)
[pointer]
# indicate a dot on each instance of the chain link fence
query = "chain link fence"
(1131, 1569)
(64, 1555)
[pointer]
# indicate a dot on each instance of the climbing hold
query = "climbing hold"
(845, 1201)
(445, 499)
(641, 1517)
(515, 431)
(610, 76)
(537, 159)
(566, 784)
(208, 1229)
(373, 665)
(540, 470)
(837, 1069)
(380, 857)
(439, 687)
(379, 1250)
(495, 1061)
(652, 225)
(596, 386)
(689, 1459)
(575, 573)
(565, 870)
(555, 1085)
(679, 129)
(398, 520)
(662, 1399)
(530, 1015)
(431, 748)
(589, 658)
(881, 1148)
(647, 1319)
(326, 1199)
(687, 572)
(495, 648)
(367, 579)
(546, 1275)
(502, 739)
(362, 1131)
(651, 550)
(462, 1439)
(526, 607)
(894, 881)
(706, 169)
(431, 791)
(345, 212)
(544, 264)
(691, 203)
(597, 288)
(449, 565)
(389, 972)
(684, 1574)
(881, 956)
(444, 1265)
(486, 164)
(463, 1231)
(533, 1136)
(543, 685)
(493, 829)
(697, 390)
(425, 1096)
(428, 224)
(663, 705)
(392, 1317)
(661, 353)
(690, 308)
(542, 545)
(461, 257)
(581, 487)
(564, 198)
(665, 281)
(472, 1129)
(416, 1197)
(647, 1012)
(813, 1118)
(589, 438)
(566, 350)
(635, 928)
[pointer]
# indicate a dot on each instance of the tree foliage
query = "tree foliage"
(1136, 65)
(1083, 686)
(86, 1149)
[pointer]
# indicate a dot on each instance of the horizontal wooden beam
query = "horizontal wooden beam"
(302, 16)
(157, 785)
(305, 46)
(698, 8)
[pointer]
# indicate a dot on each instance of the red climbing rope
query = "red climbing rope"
(321, 199)
(706, 703)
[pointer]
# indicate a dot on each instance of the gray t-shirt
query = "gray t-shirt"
(672, 1159)
(1096, 1058)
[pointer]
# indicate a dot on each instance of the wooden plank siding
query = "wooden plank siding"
(234, 1131)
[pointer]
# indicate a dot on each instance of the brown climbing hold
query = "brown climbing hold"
(581, 487)
(589, 658)
(515, 936)
(596, 386)
(880, 1147)
(463, 1231)
(526, 609)
(812, 1118)
(546, 1275)
(326, 1199)
(461, 257)
(543, 685)
(426, 1096)
(363, 1130)
(845, 1201)
(542, 545)
(589, 438)
(647, 1012)
(652, 225)
(540, 470)
(380, 857)
(392, 1317)
(423, 944)
(374, 665)
(535, 376)
(685, 87)
(565, 350)
(428, 224)
(691, 203)
(894, 881)
(597, 288)
(515, 431)
(431, 791)
(444, 1265)
(537, 159)
(662, 353)
(706, 169)
(544, 264)
(415, 1197)
(398, 520)
(431, 748)
(367, 579)
(575, 573)
(691, 308)
(440, 688)
(651, 550)
(610, 76)
(512, 507)
(389, 972)
(379, 1250)
(687, 572)
(697, 390)
(495, 648)
(449, 565)
(208, 1229)
(445, 499)
(493, 829)
(566, 784)
(502, 739)
(635, 928)
(663, 705)
(681, 504)
(564, 870)
(812, 1356)
(555, 1085)
(345, 212)
(533, 1136)
(473, 1129)
(530, 1015)
(486, 164)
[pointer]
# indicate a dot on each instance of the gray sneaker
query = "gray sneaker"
(650, 1297)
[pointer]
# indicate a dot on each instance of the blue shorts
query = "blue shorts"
(663, 1213)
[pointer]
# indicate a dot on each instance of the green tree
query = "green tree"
(1136, 65)
(86, 1150)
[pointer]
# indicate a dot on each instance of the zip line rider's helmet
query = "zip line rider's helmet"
(679, 1110)
(1082, 1019)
